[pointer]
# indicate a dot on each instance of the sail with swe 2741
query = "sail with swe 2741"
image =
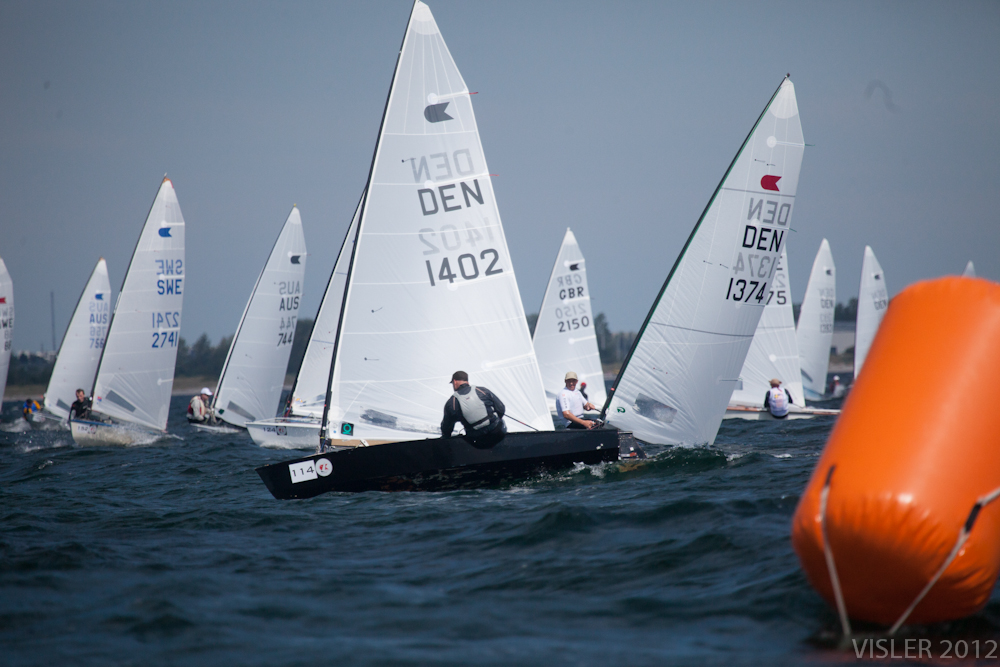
(254, 373)
(676, 382)
(565, 338)
(873, 299)
(431, 287)
(136, 372)
(80, 351)
(814, 332)
(773, 353)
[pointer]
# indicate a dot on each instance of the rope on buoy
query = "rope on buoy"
(845, 624)
(963, 536)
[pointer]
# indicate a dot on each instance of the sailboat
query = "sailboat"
(136, 371)
(873, 299)
(773, 353)
(253, 374)
(430, 289)
(970, 270)
(565, 338)
(684, 365)
(6, 324)
(299, 427)
(815, 329)
(80, 350)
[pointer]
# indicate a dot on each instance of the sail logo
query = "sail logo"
(165, 232)
(770, 183)
(435, 113)
(295, 259)
(99, 296)
(3, 299)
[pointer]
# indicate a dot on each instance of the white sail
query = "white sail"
(309, 391)
(676, 382)
(773, 352)
(80, 350)
(565, 338)
(254, 373)
(6, 324)
(970, 270)
(431, 287)
(815, 329)
(873, 299)
(136, 372)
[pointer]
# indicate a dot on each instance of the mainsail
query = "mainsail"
(676, 382)
(565, 338)
(309, 391)
(254, 373)
(773, 352)
(6, 324)
(80, 350)
(136, 372)
(970, 270)
(815, 329)
(431, 287)
(873, 299)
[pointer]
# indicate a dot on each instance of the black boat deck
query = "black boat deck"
(443, 463)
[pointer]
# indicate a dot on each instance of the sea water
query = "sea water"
(176, 554)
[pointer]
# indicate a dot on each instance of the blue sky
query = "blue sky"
(617, 120)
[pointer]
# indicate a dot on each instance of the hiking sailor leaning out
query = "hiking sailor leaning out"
(570, 405)
(479, 410)
(200, 408)
(777, 399)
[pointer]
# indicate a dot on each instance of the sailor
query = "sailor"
(200, 408)
(571, 404)
(30, 407)
(81, 406)
(479, 410)
(777, 399)
(837, 390)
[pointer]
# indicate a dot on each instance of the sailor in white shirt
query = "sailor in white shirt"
(571, 405)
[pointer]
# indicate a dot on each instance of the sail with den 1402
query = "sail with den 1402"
(431, 288)
(676, 382)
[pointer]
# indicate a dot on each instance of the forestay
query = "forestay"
(431, 288)
(773, 352)
(309, 391)
(565, 338)
(80, 350)
(6, 323)
(136, 372)
(254, 373)
(683, 367)
(815, 329)
(873, 299)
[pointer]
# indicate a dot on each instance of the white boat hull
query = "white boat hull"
(760, 414)
(90, 433)
(285, 433)
(217, 429)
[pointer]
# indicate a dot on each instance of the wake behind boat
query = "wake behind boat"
(136, 371)
(441, 464)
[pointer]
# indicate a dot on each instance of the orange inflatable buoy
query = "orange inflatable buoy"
(899, 522)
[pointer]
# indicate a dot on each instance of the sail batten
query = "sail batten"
(428, 229)
(684, 365)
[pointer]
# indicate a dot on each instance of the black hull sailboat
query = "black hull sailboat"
(443, 464)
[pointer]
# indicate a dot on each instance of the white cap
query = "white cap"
(206, 391)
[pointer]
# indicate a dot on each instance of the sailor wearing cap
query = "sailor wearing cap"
(777, 399)
(200, 408)
(571, 404)
(479, 410)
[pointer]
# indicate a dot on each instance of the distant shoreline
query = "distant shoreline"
(183, 386)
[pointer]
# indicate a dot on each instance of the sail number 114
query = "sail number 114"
(742, 290)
